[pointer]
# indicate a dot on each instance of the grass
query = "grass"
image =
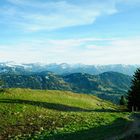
(58, 115)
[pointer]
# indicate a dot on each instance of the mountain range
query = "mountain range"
(65, 68)
(107, 85)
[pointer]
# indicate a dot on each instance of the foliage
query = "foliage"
(123, 100)
(134, 92)
(1, 87)
(1, 83)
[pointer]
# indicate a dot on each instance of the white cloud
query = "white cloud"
(84, 50)
(124, 51)
(36, 15)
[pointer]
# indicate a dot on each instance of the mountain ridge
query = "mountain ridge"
(65, 68)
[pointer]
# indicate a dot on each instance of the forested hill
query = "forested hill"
(104, 85)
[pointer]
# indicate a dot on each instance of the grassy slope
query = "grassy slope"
(50, 115)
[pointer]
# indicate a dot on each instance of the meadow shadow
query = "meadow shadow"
(54, 106)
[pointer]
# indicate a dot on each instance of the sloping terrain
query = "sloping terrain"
(108, 81)
(59, 115)
(108, 85)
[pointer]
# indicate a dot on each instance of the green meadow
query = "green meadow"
(58, 115)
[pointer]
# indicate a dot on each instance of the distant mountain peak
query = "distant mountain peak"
(65, 68)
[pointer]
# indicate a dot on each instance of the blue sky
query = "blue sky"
(71, 31)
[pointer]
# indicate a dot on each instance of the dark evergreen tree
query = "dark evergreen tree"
(123, 100)
(1, 86)
(134, 92)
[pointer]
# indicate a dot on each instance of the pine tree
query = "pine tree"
(2, 89)
(134, 92)
(1, 84)
(123, 100)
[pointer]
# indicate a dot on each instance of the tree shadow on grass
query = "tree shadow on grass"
(103, 132)
(54, 106)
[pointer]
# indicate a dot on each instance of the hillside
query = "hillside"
(59, 115)
(108, 81)
(108, 85)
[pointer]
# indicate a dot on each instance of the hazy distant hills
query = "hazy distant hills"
(65, 68)
(91, 69)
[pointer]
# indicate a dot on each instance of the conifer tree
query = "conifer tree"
(134, 93)
(123, 100)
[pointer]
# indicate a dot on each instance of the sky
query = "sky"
(70, 31)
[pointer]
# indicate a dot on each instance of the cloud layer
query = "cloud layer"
(91, 52)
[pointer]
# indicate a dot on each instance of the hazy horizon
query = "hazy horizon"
(40, 63)
(65, 31)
